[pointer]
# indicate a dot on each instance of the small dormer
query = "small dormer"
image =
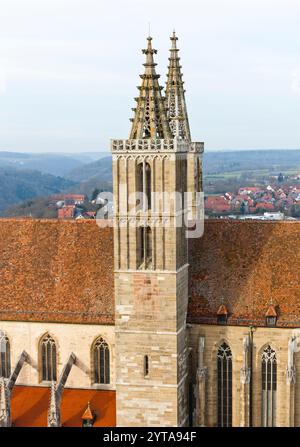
(88, 417)
(222, 314)
(271, 316)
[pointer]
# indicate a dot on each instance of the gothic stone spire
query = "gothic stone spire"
(177, 112)
(4, 404)
(150, 115)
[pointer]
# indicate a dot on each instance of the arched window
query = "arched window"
(269, 387)
(224, 360)
(4, 356)
(143, 185)
(147, 187)
(144, 247)
(101, 361)
(48, 358)
(139, 184)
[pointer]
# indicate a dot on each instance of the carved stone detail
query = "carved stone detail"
(291, 368)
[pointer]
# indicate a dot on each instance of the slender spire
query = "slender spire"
(150, 115)
(176, 105)
(4, 404)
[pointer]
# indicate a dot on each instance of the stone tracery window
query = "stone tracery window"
(269, 387)
(48, 358)
(101, 357)
(224, 367)
(4, 356)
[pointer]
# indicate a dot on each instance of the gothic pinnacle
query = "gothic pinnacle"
(177, 113)
(150, 115)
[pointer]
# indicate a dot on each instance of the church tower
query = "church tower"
(151, 262)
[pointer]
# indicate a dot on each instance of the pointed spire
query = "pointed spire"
(150, 115)
(176, 105)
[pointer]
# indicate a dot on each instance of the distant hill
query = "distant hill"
(223, 171)
(100, 169)
(50, 163)
(19, 185)
(250, 160)
(213, 163)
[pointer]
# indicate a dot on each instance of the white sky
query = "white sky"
(69, 70)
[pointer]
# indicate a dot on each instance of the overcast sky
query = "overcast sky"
(69, 70)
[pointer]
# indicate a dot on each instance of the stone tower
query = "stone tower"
(151, 262)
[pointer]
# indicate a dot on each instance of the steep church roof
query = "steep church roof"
(62, 271)
(244, 265)
(59, 271)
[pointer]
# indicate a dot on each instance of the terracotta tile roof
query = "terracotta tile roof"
(29, 406)
(244, 264)
(62, 271)
(55, 270)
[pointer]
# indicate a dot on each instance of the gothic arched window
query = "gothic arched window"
(269, 387)
(101, 361)
(48, 358)
(143, 185)
(224, 366)
(4, 356)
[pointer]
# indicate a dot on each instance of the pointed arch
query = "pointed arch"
(101, 361)
(224, 384)
(5, 367)
(48, 358)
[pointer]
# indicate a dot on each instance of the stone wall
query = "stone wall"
(150, 320)
(275, 337)
(69, 338)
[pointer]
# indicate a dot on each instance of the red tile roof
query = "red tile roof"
(29, 406)
(56, 270)
(244, 264)
(62, 271)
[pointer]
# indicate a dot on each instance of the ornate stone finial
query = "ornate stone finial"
(173, 39)
(246, 370)
(4, 404)
(177, 112)
(150, 115)
(291, 368)
(53, 415)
